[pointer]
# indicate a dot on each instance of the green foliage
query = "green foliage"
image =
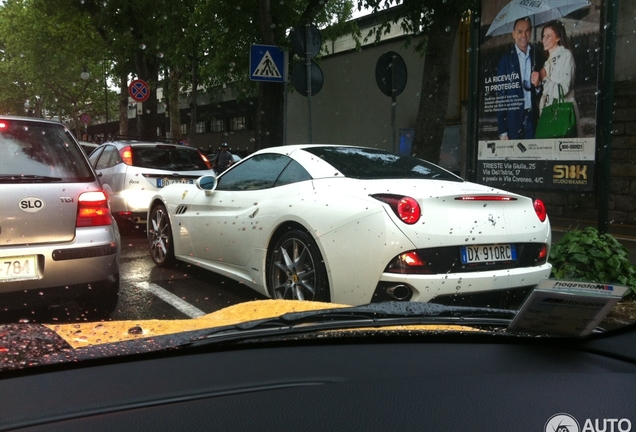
(592, 256)
(414, 17)
(44, 50)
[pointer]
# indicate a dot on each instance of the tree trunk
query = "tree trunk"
(193, 99)
(173, 105)
(148, 70)
(123, 104)
(427, 141)
(269, 117)
(269, 110)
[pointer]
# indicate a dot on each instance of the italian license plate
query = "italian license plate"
(18, 268)
(168, 182)
(488, 253)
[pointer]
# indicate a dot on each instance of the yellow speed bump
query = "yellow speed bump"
(97, 333)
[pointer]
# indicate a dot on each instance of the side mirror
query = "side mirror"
(206, 183)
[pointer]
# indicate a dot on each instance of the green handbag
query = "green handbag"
(557, 120)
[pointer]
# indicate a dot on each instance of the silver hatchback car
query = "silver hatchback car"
(132, 172)
(59, 243)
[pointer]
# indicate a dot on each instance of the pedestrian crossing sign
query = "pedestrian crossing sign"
(267, 63)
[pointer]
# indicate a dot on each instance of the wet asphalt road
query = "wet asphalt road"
(183, 291)
(148, 292)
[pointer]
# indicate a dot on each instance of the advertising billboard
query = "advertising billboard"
(538, 93)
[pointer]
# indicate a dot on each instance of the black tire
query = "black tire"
(160, 237)
(296, 269)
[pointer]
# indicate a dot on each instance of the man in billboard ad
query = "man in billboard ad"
(513, 86)
(538, 81)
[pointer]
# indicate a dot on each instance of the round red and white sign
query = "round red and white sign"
(139, 90)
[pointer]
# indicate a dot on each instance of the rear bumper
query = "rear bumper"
(499, 288)
(132, 218)
(91, 259)
(132, 201)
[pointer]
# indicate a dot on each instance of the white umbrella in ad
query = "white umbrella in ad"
(539, 11)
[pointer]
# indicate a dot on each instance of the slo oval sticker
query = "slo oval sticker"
(31, 204)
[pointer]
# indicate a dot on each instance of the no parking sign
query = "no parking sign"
(139, 90)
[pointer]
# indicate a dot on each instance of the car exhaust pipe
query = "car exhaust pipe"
(399, 292)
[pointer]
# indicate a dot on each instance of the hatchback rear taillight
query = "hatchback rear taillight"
(540, 210)
(406, 208)
(126, 155)
(206, 160)
(93, 209)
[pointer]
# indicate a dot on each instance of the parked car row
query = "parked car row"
(63, 203)
(295, 222)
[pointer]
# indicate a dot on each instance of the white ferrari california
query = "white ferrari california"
(354, 225)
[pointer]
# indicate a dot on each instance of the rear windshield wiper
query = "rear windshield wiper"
(27, 178)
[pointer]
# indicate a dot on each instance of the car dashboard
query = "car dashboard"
(369, 382)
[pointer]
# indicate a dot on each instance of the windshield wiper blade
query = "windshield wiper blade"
(19, 178)
(371, 315)
(387, 310)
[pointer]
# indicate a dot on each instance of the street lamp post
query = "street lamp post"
(105, 95)
(85, 76)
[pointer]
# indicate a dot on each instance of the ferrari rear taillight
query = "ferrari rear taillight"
(540, 210)
(542, 257)
(93, 209)
(126, 155)
(408, 263)
(543, 252)
(406, 208)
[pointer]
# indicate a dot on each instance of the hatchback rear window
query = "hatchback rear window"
(32, 151)
(167, 157)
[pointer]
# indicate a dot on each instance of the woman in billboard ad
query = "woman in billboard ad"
(555, 80)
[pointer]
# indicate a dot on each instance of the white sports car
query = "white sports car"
(354, 225)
